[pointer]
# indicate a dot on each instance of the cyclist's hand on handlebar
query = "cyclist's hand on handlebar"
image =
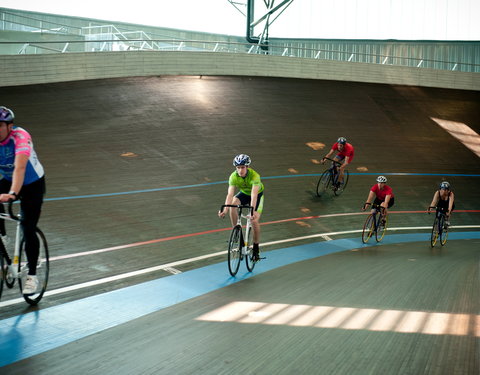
(6, 198)
(222, 213)
(323, 160)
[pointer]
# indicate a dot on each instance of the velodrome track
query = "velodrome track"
(136, 170)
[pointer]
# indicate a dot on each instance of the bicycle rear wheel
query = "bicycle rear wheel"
(235, 250)
(2, 274)
(381, 228)
(250, 262)
(43, 269)
(341, 188)
(443, 232)
(324, 182)
(368, 228)
(435, 232)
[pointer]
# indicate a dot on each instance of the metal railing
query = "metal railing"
(52, 36)
(123, 42)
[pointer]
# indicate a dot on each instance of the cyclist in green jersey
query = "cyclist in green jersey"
(251, 193)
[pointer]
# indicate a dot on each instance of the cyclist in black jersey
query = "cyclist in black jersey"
(444, 200)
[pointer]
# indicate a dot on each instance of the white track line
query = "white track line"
(202, 257)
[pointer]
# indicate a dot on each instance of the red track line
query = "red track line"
(223, 230)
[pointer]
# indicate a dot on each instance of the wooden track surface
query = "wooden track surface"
(141, 160)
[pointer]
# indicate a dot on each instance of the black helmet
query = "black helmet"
(342, 140)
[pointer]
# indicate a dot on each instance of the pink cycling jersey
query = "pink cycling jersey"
(19, 142)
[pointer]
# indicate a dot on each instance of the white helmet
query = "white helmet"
(381, 179)
(242, 159)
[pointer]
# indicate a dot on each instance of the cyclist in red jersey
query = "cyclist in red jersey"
(380, 194)
(345, 153)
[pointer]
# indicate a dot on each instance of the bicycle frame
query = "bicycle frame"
(13, 263)
(248, 227)
(17, 267)
(373, 224)
(239, 243)
(329, 179)
(438, 228)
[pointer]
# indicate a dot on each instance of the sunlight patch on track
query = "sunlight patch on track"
(347, 318)
(464, 133)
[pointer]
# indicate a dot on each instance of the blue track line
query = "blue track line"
(264, 178)
(36, 332)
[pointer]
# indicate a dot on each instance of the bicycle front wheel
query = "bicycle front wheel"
(435, 232)
(250, 262)
(2, 273)
(444, 232)
(43, 269)
(341, 188)
(368, 228)
(323, 182)
(381, 228)
(235, 250)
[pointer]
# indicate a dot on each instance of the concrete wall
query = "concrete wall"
(34, 69)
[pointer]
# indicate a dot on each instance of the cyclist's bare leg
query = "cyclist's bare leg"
(340, 175)
(447, 218)
(384, 212)
(234, 212)
(339, 169)
(256, 227)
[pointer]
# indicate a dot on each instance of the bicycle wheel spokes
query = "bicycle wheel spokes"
(323, 182)
(368, 228)
(249, 260)
(434, 235)
(343, 185)
(234, 250)
(381, 228)
(43, 269)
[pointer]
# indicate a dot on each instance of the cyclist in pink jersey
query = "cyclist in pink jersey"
(345, 153)
(380, 194)
(22, 178)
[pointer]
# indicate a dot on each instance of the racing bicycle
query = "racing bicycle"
(376, 223)
(329, 179)
(240, 244)
(15, 267)
(439, 228)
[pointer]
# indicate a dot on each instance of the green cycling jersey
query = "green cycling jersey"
(246, 183)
